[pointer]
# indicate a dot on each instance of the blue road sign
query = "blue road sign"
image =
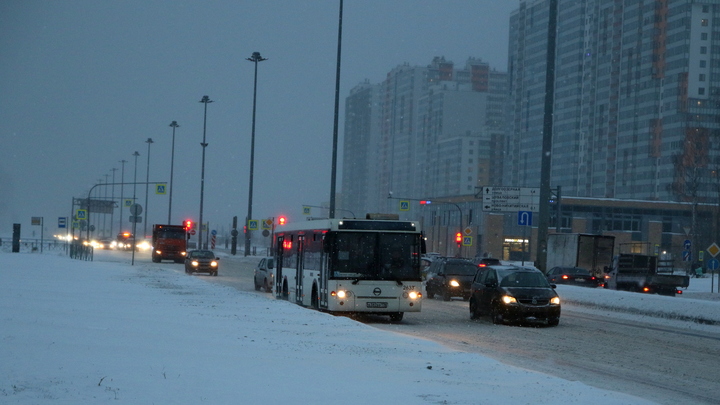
(62, 222)
(687, 244)
(213, 232)
(713, 264)
(525, 218)
(686, 256)
(404, 205)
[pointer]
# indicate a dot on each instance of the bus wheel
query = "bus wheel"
(396, 317)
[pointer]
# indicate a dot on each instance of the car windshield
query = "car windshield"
(385, 256)
(461, 269)
(523, 279)
(203, 254)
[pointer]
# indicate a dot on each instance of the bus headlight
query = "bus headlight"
(413, 295)
(339, 293)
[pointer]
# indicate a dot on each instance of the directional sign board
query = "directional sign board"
(503, 199)
(62, 222)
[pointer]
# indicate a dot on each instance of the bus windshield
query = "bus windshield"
(379, 256)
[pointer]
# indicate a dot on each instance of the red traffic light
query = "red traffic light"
(282, 220)
(188, 224)
(458, 237)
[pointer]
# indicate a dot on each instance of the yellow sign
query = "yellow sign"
(306, 210)
(81, 214)
(161, 189)
(267, 223)
(404, 205)
(713, 249)
(253, 224)
(467, 241)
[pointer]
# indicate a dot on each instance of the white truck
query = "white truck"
(593, 253)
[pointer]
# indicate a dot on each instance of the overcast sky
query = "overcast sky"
(85, 83)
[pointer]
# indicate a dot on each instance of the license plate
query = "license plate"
(580, 280)
(376, 304)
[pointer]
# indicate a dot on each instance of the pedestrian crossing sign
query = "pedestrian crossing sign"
(160, 188)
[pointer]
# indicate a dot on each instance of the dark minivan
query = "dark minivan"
(449, 277)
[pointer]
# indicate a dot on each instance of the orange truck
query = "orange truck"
(169, 242)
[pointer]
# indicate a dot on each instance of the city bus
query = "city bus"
(351, 266)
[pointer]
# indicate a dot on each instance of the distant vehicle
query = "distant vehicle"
(201, 261)
(449, 277)
(642, 273)
(125, 240)
(510, 293)
(574, 276)
(264, 274)
(169, 242)
(591, 252)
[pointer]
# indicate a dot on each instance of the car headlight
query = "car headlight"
(213, 264)
(454, 283)
(555, 300)
(508, 299)
(194, 263)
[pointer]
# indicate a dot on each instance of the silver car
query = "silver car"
(265, 274)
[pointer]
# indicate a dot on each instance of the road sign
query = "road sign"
(713, 264)
(160, 188)
(136, 209)
(686, 256)
(193, 231)
(713, 249)
(36, 220)
(503, 199)
(62, 222)
(213, 232)
(267, 223)
(253, 224)
(525, 218)
(467, 231)
(687, 244)
(404, 205)
(135, 219)
(81, 214)
(467, 240)
(127, 202)
(306, 210)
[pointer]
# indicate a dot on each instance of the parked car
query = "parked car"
(510, 293)
(265, 274)
(449, 277)
(201, 261)
(574, 276)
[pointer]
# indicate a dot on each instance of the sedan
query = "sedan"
(573, 276)
(264, 274)
(201, 261)
(509, 293)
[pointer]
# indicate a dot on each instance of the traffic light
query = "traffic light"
(458, 239)
(281, 220)
(188, 224)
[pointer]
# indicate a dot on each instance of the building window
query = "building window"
(704, 36)
(703, 63)
(701, 91)
(703, 50)
(704, 22)
(705, 9)
(701, 77)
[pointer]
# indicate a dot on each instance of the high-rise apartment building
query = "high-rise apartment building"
(637, 98)
(424, 132)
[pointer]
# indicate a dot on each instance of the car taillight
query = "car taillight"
(565, 277)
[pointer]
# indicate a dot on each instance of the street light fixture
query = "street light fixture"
(255, 58)
(205, 100)
(174, 125)
(147, 186)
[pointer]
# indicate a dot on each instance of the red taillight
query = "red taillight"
(646, 289)
(592, 278)
(482, 265)
(679, 291)
(565, 277)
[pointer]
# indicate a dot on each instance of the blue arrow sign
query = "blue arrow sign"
(525, 218)
(713, 264)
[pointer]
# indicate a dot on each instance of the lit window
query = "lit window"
(704, 22)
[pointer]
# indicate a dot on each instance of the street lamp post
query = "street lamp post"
(122, 189)
(255, 58)
(205, 100)
(112, 198)
(147, 186)
(174, 125)
(104, 231)
(333, 171)
(134, 214)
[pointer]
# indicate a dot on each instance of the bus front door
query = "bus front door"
(299, 295)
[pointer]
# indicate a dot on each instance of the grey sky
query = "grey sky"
(85, 83)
